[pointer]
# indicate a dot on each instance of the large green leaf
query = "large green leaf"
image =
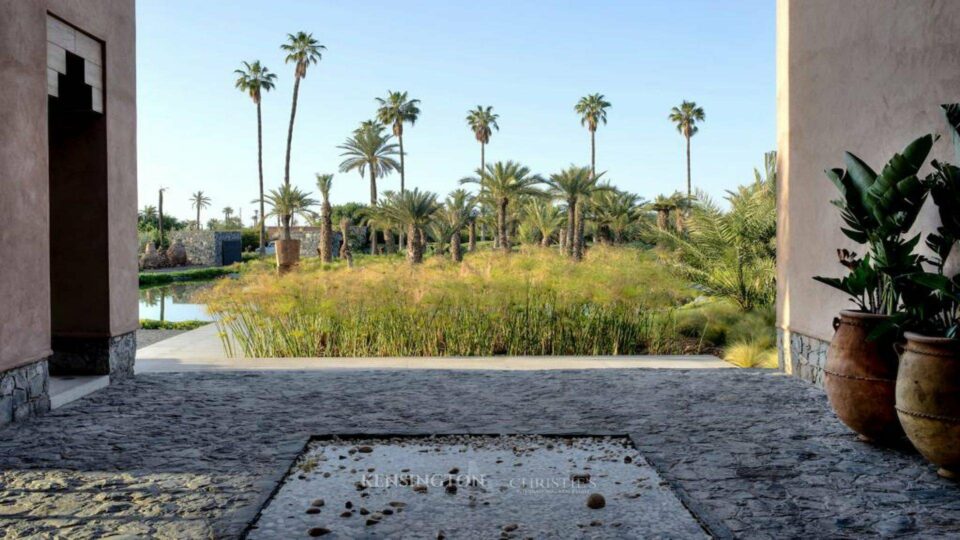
(952, 112)
(896, 195)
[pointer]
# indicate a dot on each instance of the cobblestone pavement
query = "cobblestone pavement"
(195, 455)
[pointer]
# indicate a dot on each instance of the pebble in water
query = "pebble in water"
(318, 531)
(318, 502)
(596, 501)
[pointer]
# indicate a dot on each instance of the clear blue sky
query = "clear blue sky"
(531, 60)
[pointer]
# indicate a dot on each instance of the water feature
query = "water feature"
(174, 302)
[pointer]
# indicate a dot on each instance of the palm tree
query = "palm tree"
(592, 110)
(482, 122)
(574, 186)
(344, 238)
(369, 150)
(663, 205)
(457, 212)
(324, 183)
(413, 209)
(302, 49)
(686, 117)
(394, 111)
(160, 216)
(148, 214)
(543, 217)
(289, 201)
(614, 212)
(255, 79)
(682, 205)
(227, 214)
(199, 201)
(501, 182)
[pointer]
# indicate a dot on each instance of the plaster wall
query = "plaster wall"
(864, 76)
(25, 325)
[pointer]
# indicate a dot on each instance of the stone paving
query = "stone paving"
(753, 454)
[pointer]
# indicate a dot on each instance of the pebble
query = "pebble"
(365, 449)
(596, 501)
(346, 514)
(511, 527)
(582, 478)
(318, 531)
(313, 510)
(420, 488)
(318, 502)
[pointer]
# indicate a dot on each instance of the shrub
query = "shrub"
(153, 279)
(153, 324)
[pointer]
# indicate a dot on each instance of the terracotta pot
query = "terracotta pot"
(861, 376)
(928, 399)
(288, 254)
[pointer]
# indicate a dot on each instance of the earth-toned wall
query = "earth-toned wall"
(865, 76)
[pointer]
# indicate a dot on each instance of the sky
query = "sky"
(530, 60)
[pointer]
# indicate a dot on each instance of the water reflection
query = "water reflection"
(173, 303)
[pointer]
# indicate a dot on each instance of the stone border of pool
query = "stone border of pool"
(712, 526)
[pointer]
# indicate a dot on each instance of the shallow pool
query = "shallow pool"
(174, 302)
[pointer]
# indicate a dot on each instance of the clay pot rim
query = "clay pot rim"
(858, 314)
(931, 340)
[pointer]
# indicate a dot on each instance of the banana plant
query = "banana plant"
(877, 211)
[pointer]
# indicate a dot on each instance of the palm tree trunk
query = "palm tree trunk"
(545, 241)
(483, 157)
(198, 218)
(455, 249)
(563, 240)
(388, 242)
(502, 224)
(571, 225)
(593, 153)
(472, 241)
(663, 217)
(286, 227)
(373, 203)
(326, 232)
(578, 237)
(160, 219)
(344, 238)
(689, 183)
(263, 225)
(293, 114)
(413, 255)
(402, 167)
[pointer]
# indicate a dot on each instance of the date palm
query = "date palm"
(574, 186)
(457, 213)
(148, 214)
(593, 111)
(324, 183)
(502, 182)
(482, 122)
(302, 50)
(544, 217)
(370, 151)
(395, 110)
(414, 210)
(686, 117)
(663, 205)
(615, 212)
(289, 201)
(227, 214)
(255, 79)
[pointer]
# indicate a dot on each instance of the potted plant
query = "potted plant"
(928, 383)
(877, 211)
(287, 202)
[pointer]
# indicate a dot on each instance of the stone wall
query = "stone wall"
(204, 247)
(24, 392)
(803, 356)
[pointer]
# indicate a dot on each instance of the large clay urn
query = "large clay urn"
(288, 254)
(928, 399)
(860, 377)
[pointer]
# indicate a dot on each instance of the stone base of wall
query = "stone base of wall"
(112, 356)
(24, 392)
(802, 356)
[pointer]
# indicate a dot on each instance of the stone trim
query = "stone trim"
(112, 356)
(24, 392)
(805, 357)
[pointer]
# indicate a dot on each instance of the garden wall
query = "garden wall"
(205, 247)
(866, 76)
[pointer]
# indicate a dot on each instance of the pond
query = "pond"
(174, 302)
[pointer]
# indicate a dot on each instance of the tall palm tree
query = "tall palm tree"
(593, 111)
(501, 182)
(482, 122)
(302, 50)
(686, 117)
(414, 209)
(199, 201)
(160, 216)
(227, 214)
(255, 79)
(289, 201)
(324, 183)
(395, 110)
(369, 150)
(575, 185)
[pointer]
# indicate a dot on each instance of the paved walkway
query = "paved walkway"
(202, 350)
(193, 455)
